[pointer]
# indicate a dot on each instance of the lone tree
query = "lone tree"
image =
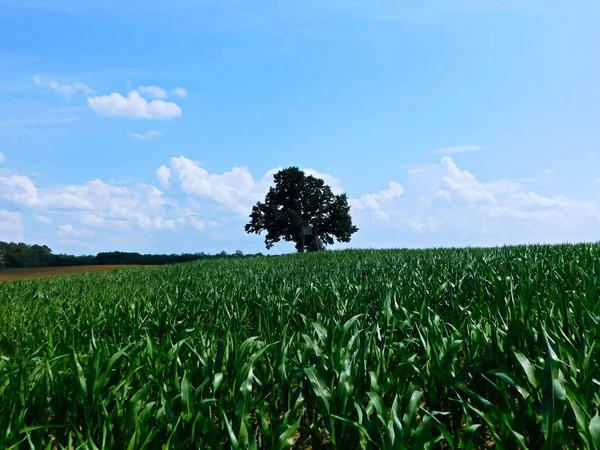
(296, 201)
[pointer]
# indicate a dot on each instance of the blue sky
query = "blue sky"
(154, 126)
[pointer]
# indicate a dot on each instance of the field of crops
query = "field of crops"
(457, 348)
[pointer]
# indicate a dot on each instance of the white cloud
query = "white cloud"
(64, 200)
(502, 210)
(382, 215)
(92, 219)
(68, 230)
(197, 223)
(163, 173)
(2, 157)
(42, 219)
(377, 202)
(121, 208)
(67, 89)
(423, 224)
(146, 136)
(463, 185)
(235, 190)
(200, 224)
(18, 189)
(548, 171)
(439, 205)
(502, 197)
(21, 190)
(98, 203)
(145, 222)
(97, 221)
(145, 207)
(180, 92)
(334, 183)
(153, 91)
(445, 205)
(458, 149)
(134, 106)
(11, 226)
(114, 206)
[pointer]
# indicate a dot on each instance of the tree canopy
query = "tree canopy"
(298, 200)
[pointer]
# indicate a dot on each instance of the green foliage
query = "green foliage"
(15, 255)
(297, 200)
(454, 349)
(22, 255)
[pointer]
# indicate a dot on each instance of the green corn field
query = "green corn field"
(387, 349)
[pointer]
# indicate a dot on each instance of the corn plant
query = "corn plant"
(390, 349)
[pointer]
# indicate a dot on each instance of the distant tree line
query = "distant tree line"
(15, 255)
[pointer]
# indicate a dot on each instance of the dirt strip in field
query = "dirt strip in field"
(41, 272)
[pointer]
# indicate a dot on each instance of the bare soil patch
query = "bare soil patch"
(42, 272)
